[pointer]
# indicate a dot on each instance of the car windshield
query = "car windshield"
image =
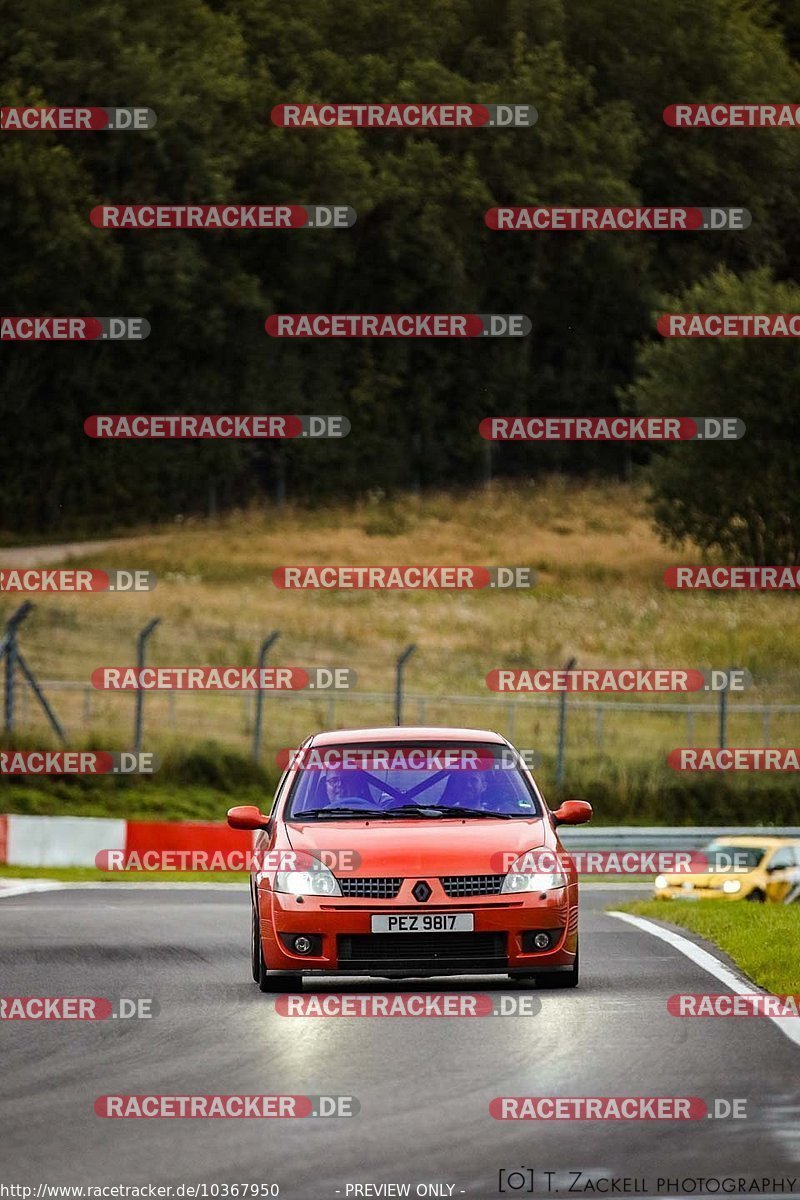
(472, 780)
(725, 856)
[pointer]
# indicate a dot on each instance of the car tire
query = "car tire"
(756, 896)
(269, 981)
(561, 979)
(255, 943)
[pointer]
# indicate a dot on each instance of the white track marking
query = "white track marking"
(789, 1026)
(21, 887)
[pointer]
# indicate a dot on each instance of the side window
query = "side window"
(784, 857)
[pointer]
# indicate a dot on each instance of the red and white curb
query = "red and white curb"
(76, 841)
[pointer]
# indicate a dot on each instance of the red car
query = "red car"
(411, 852)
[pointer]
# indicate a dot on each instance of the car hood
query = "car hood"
(423, 847)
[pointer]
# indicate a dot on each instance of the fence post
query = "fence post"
(141, 643)
(398, 686)
(9, 650)
(40, 696)
(723, 716)
(562, 728)
(262, 657)
(598, 727)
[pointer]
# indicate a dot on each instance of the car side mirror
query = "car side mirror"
(247, 816)
(573, 812)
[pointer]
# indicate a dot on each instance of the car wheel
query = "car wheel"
(756, 896)
(274, 981)
(561, 979)
(270, 981)
(255, 943)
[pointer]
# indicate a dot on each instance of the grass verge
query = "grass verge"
(92, 875)
(761, 938)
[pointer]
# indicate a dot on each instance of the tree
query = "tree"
(741, 498)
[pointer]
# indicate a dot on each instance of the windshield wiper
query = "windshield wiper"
(443, 810)
(338, 812)
(412, 810)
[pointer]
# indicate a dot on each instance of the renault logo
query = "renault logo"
(421, 891)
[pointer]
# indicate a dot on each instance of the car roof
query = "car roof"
(406, 733)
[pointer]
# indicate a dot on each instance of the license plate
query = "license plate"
(686, 896)
(424, 923)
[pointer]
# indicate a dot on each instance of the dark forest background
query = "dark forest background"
(599, 72)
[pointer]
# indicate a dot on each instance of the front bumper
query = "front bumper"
(344, 943)
(698, 893)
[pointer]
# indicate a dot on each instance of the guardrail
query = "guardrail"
(657, 837)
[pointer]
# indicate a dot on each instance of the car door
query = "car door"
(780, 873)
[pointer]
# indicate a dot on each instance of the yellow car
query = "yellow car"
(740, 868)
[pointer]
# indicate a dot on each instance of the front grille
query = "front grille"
(424, 949)
(379, 888)
(472, 885)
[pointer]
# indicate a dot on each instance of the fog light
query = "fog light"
(302, 944)
(541, 941)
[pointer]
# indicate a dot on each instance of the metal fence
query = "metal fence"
(592, 727)
(554, 727)
(665, 837)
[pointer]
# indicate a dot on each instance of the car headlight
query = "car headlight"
(661, 881)
(731, 885)
(519, 879)
(319, 882)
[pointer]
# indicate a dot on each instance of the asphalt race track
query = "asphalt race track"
(424, 1085)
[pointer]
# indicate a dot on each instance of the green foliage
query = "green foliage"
(739, 498)
(599, 72)
(760, 938)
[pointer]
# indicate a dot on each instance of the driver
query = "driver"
(466, 789)
(342, 786)
(334, 787)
